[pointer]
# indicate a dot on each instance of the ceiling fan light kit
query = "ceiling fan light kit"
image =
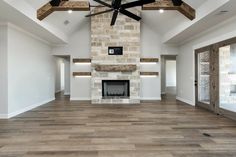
(116, 7)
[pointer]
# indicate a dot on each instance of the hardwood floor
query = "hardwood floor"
(156, 129)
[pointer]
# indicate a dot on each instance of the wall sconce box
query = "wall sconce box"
(115, 50)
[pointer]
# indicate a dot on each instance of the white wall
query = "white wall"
(3, 71)
(67, 76)
(58, 62)
(185, 59)
(30, 72)
(79, 47)
(62, 76)
(163, 75)
(150, 47)
(170, 73)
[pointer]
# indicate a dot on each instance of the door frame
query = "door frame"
(221, 111)
(214, 78)
(209, 106)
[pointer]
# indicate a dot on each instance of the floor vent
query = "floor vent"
(206, 134)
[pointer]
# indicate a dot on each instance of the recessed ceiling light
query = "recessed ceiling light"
(161, 11)
(70, 11)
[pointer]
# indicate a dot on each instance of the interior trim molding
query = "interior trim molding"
(13, 114)
(68, 93)
(3, 116)
(58, 91)
(150, 98)
(80, 99)
(185, 101)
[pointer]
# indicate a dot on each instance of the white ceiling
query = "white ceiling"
(156, 21)
(205, 23)
(172, 25)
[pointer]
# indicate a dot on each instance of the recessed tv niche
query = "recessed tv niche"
(115, 50)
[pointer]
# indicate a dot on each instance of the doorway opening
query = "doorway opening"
(62, 75)
(168, 75)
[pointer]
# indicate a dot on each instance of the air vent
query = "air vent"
(206, 134)
(66, 22)
(222, 12)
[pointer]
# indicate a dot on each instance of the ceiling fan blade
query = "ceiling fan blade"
(103, 3)
(136, 3)
(116, 4)
(102, 12)
(55, 2)
(114, 17)
(129, 14)
(177, 2)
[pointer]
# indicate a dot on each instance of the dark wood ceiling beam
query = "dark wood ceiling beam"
(47, 9)
(65, 5)
(185, 9)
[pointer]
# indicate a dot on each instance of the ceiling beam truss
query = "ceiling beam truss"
(185, 9)
(65, 5)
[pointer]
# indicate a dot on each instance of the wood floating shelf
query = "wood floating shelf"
(149, 73)
(82, 60)
(116, 68)
(81, 74)
(148, 60)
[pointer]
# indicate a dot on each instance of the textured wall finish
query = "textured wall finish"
(126, 33)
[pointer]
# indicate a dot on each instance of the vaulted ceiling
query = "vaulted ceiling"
(172, 25)
(159, 22)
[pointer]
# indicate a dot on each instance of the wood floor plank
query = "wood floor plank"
(165, 128)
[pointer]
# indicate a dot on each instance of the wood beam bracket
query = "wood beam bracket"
(65, 5)
(185, 9)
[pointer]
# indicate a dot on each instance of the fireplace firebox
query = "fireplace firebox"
(118, 89)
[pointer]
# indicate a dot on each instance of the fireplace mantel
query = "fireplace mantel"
(115, 67)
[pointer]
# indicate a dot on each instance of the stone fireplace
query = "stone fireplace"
(115, 78)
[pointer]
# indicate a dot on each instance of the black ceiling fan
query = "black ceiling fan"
(117, 7)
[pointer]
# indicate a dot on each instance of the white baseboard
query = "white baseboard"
(66, 93)
(58, 91)
(3, 116)
(89, 99)
(13, 114)
(185, 101)
(80, 99)
(151, 98)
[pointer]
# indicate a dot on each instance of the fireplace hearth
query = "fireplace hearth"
(115, 89)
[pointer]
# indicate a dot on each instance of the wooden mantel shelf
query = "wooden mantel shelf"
(116, 68)
(89, 74)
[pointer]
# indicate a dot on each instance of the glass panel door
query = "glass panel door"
(202, 82)
(227, 78)
(204, 77)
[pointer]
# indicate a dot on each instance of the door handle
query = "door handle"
(196, 83)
